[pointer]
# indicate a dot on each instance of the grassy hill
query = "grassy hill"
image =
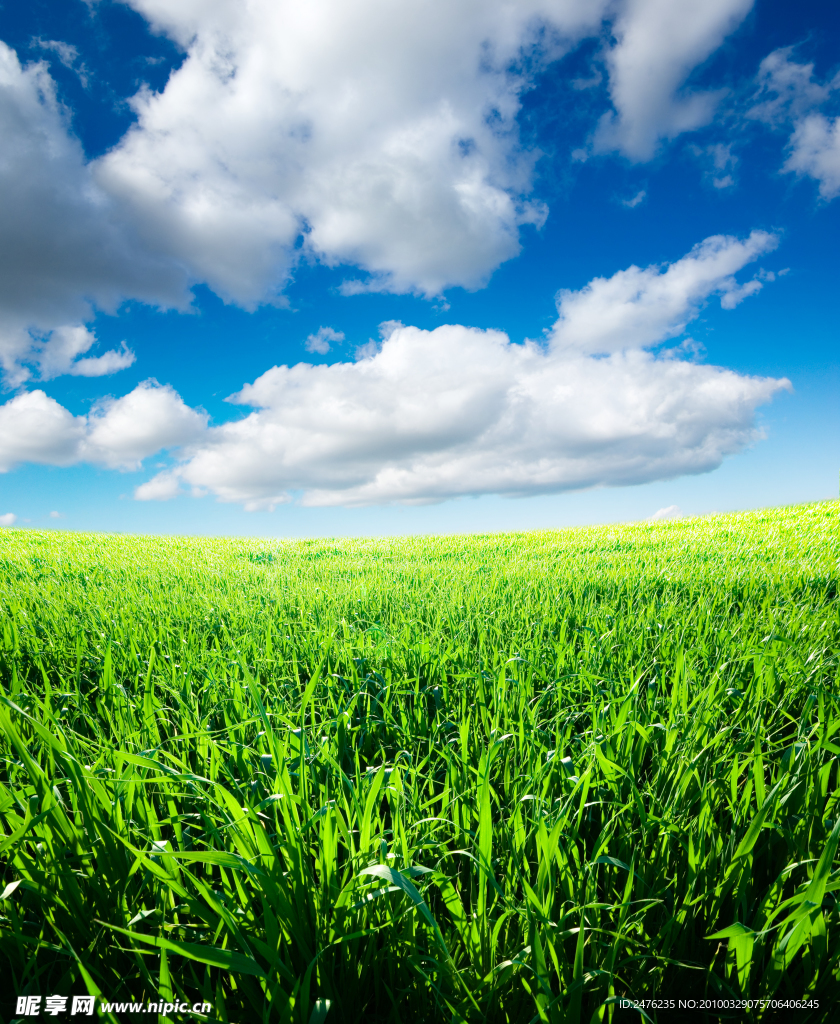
(512, 777)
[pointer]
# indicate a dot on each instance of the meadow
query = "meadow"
(503, 778)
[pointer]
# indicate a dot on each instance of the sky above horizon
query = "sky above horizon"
(364, 267)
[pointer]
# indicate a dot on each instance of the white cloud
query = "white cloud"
(637, 308)
(430, 415)
(57, 515)
(67, 54)
(788, 94)
(8, 519)
(785, 90)
(579, 84)
(118, 433)
(35, 428)
(379, 135)
(815, 151)
(321, 340)
(723, 161)
(385, 132)
(387, 328)
(162, 487)
(639, 197)
(60, 355)
(735, 295)
(100, 366)
(669, 512)
(65, 248)
(459, 411)
(720, 163)
(121, 432)
(658, 43)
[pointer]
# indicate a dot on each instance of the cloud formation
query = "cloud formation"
(638, 308)
(658, 44)
(669, 512)
(431, 415)
(67, 54)
(65, 247)
(364, 133)
(118, 433)
(634, 201)
(815, 151)
(322, 340)
(384, 133)
(785, 89)
(60, 355)
(788, 96)
(458, 411)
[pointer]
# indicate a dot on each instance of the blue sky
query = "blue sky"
(468, 266)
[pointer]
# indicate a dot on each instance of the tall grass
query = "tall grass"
(489, 778)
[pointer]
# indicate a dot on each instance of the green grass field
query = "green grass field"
(509, 777)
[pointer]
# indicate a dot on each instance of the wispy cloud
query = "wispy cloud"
(67, 54)
(635, 200)
(789, 97)
(669, 512)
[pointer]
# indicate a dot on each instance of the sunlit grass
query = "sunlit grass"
(500, 777)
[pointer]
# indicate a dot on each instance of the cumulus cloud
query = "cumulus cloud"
(365, 133)
(8, 519)
(35, 428)
(658, 43)
(322, 339)
(385, 133)
(121, 432)
(431, 415)
(118, 432)
(162, 487)
(60, 355)
(382, 134)
(66, 249)
(639, 307)
(459, 411)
